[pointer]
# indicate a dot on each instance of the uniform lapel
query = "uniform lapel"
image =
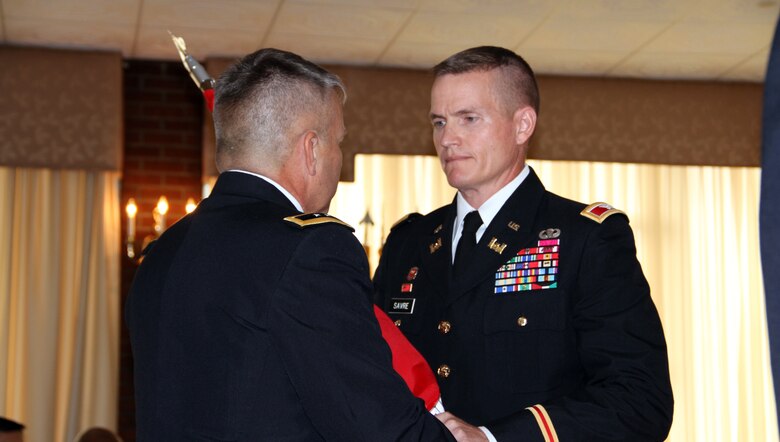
(436, 251)
(509, 232)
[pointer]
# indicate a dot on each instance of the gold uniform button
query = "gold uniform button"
(443, 371)
(397, 322)
(445, 327)
(522, 321)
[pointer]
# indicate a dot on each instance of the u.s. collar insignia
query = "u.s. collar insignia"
(549, 233)
(412, 274)
(435, 246)
(496, 246)
(513, 225)
(438, 229)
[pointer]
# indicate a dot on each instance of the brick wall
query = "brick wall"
(163, 122)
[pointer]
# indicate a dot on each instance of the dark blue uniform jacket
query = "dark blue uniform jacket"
(553, 313)
(246, 327)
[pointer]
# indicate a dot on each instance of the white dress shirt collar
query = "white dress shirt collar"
(487, 211)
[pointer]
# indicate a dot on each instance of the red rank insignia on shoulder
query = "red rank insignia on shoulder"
(599, 212)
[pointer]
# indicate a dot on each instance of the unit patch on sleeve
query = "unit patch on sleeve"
(534, 268)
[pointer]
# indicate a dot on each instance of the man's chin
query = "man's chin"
(455, 180)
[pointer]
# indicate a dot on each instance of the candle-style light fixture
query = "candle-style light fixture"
(191, 205)
(131, 209)
(159, 215)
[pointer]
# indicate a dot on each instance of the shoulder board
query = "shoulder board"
(312, 219)
(599, 212)
(406, 219)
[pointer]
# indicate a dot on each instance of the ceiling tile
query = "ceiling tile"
(466, 29)
(712, 38)
(752, 69)
(592, 35)
(114, 11)
(755, 11)
(64, 33)
(333, 50)
(154, 42)
(519, 8)
(418, 55)
(658, 38)
(676, 65)
(388, 4)
(630, 10)
(226, 14)
(566, 62)
(340, 21)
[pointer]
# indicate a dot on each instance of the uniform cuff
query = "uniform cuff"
(438, 408)
(545, 423)
(488, 434)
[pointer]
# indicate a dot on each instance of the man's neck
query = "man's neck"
(477, 196)
(490, 207)
(282, 185)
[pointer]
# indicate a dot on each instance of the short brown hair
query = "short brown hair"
(519, 78)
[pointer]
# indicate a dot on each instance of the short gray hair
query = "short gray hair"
(260, 97)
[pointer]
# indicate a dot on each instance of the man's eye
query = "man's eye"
(438, 123)
(470, 119)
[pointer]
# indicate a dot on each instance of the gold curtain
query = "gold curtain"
(59, 300)
(697, 238)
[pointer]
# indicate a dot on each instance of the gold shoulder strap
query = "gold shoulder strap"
(312, 219)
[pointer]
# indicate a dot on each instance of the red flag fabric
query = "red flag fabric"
(408, 362)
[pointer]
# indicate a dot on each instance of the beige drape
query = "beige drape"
(697, 238)
(59, 300)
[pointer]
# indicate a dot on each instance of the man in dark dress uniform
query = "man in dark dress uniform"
(532, 309)
(249, 320)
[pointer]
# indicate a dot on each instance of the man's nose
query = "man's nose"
(449, 136)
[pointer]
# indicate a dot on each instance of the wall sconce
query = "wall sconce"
(131, 210)
(159, 215)
(191, 205)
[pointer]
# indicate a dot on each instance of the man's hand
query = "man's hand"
(462, 431)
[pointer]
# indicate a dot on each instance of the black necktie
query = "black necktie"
(467, 243)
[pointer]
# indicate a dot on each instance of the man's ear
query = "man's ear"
(310, 143)
(525, 124)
